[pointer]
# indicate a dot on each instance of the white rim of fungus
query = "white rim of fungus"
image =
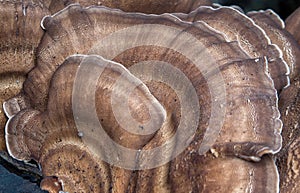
(277, 111)
(6, 139)
(282, 24)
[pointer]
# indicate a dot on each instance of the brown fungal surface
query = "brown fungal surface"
(238, 27)
(150, 6)
(100, 15)
(275, 29)
(154, 48)
(11, 84)
(51, 184)
(288, 157)
(20, 34)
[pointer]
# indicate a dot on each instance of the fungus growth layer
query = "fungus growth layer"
(106, 99)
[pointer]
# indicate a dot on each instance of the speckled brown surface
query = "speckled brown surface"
(19, 36)
(50, 136)
(43, 127)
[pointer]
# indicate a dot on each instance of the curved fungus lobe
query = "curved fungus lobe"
(271, 23)
(74, 29)
(71, 167)
(51, 184)
(231, 96)
(293, 24)
(236, 26)
(245, 120)
(150, 6)
(20, 34)
(28, 126)
(163, 38)
(62, 153)
(51, 136)
(10, 85)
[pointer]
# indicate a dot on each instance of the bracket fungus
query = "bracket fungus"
(274, 27)
(236, 26)
(120, 101)
(20, 34)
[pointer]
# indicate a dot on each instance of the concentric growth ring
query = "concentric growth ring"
(149, 35)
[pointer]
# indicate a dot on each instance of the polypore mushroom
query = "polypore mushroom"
(220, 105)
(20, 34)
(238, 27)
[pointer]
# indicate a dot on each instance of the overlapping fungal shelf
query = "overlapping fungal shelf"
(216, 69)
(20, 34)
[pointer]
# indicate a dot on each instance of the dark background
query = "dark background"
(282, 7)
